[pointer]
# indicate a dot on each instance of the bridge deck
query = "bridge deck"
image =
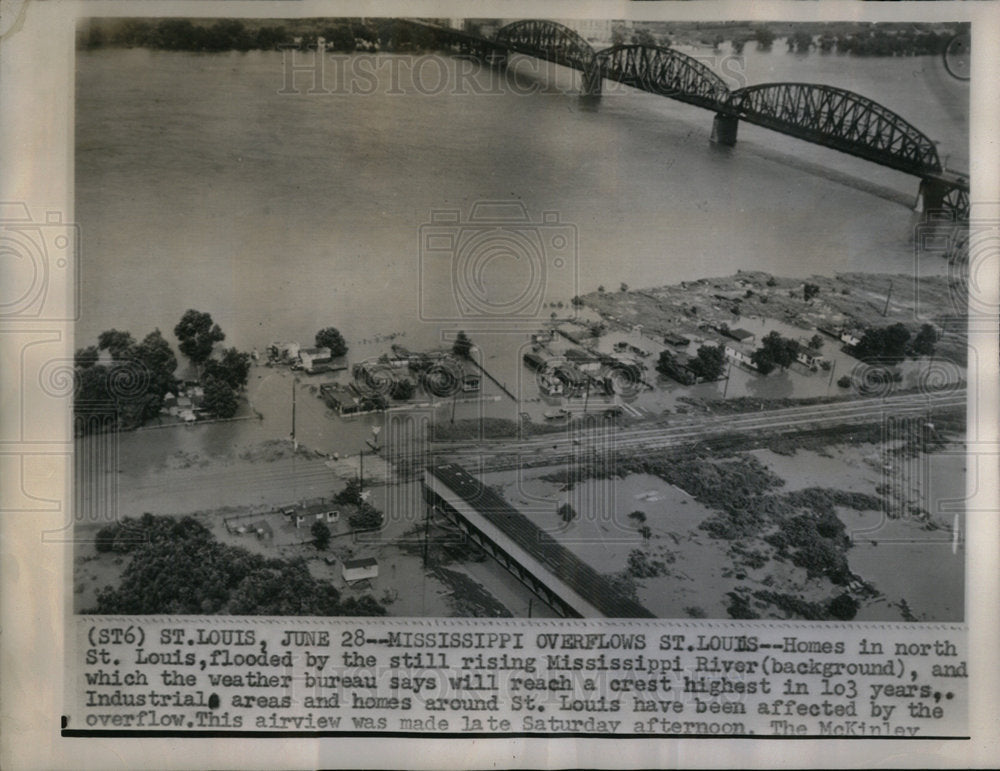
(564, 574)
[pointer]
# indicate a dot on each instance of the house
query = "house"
(583, 361)
(570, 376)
(197, 395)
(740, 353)
(285, 351)
(169, 400)
(678, 366)
(739, 334)
(533, 361)
(359, 569)
(312, 357)
(678, 340)
(187, 415)
(549, 384)
(807, 356)
(348, 400)
(849, 337)
(263, 531)
(471, 382)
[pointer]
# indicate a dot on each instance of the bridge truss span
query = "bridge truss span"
(547, 40)
(837, 118)
(663, 71)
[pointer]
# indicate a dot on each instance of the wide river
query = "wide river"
(200, 185)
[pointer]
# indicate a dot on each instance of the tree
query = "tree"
(351, 492)
(923, 343)
(462, 347)
(637, 516)
(809, 291)
(402, 389)
(233, 368)
(883, 344)
(331, 338)
(816, 342)
(775, 351)
(197, 334)
(86, 357)
(178, 567)
(764, 37)
(158, 363)
(801, 41)
(566, 513)
(321, 534)
(843, 607)
(220, 398)
(709, 362)
(118, 343)
(367, 517)
(643, 37)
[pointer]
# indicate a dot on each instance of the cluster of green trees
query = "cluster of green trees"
(177, 566)
(221, 378)
(366, 516)
(774, 351)
(462, 347)
(893, 343)
(331, 338)
(904, 42)
(874, 42)
(708, 364)
(121, 384)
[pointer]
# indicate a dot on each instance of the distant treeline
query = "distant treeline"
(208, 35)
(393, 35)
(859, 39)
(877, 42)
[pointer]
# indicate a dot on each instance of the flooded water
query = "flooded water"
(199, 184)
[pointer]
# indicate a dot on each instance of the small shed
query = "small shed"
(471, 382)
(313, 357)
(740, 334)
(359, 569)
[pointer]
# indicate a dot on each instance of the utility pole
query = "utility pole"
(295, 443)
(885, 310)
(361, 473)
(427, 525)
(729, 374)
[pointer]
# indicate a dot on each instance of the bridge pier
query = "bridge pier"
(592, 81)
(931, 195)
(494, 58)
(724, 129)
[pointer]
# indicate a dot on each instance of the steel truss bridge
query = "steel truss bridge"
(824, 115)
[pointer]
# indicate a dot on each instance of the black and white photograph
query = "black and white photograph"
(446, 385)
(521, 318)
